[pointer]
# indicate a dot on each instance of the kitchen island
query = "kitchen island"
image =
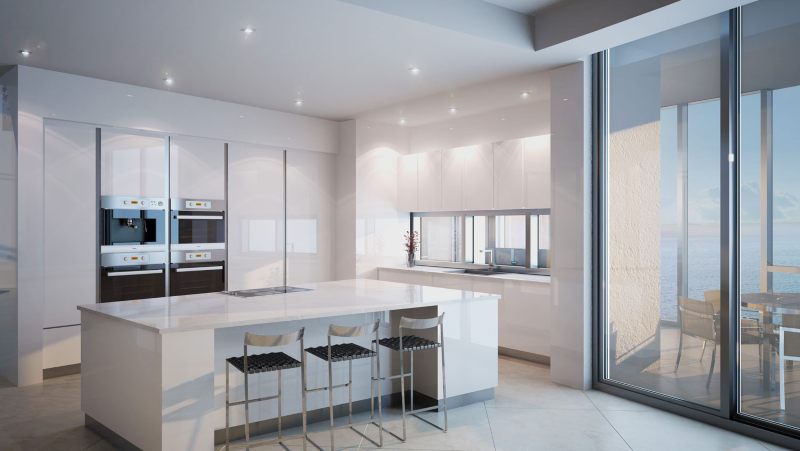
(153, 370)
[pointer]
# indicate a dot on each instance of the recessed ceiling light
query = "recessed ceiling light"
(452, 110)
(564, 99)
(248, 30)
(525, 94)
(169, 81)
(402, 121)
(128, 95)
(25, 53)
(451, 129)
(413, 70)
(241, 116)
(502, 118)
(298, 102)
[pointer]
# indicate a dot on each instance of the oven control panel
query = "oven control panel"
(198, 204)
(135, 259)
(132, 203)
(197, 256)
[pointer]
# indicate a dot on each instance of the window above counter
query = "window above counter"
(502, 240)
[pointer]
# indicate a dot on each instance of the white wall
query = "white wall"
(379, 222)
(46, 94)
(522, 121)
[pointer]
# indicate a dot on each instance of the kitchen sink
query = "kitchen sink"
(479, 272)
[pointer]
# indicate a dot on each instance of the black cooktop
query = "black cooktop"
(264, 291)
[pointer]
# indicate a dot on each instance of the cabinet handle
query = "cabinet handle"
(199, 217)
(200, 268)
(135, 273)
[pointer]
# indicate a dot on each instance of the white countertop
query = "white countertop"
(448, 271)
(217, 310)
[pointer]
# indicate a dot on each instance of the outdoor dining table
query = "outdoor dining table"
(772, 307)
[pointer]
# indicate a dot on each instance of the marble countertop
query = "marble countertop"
(448, 271)
(327, 299)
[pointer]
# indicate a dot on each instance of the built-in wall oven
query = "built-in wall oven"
(197, 246)
(133, 248)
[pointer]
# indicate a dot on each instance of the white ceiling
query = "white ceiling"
(339, 57)
(523, 6)
(342, 57)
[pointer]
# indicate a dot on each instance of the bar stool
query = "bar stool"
(264, 363)
(348, 352)
(410, 344)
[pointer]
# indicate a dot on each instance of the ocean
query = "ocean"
(704, 263)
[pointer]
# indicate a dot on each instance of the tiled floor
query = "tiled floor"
(528, 413)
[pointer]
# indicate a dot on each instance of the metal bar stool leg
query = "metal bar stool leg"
(227, 407)
(444, 376)
(403, 391)
(350, 391)
(330, 389)
(246, 408)
(411, 392)
(380, 390)
(280, 409)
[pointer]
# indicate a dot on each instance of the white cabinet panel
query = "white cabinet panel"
(451, 281)
(310, 188)
(132, 165)
(537, 172)
(430, 181)
(525, 317)
(509, 174)
(400, 276)
(61, 346)
(478, 191)
(407, 183)
(452, 179)
(255, 216)
(69, 207)
(197, 168)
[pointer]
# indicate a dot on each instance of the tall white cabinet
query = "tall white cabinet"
(132, 164)
(310, 186)
(255, 216)
(452, 179)
(509, 174)
(430, 180)
(197, 168)
(478, 182)
(69, 240)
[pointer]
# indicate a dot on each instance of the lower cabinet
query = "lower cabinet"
(62, 346)
(524, 310)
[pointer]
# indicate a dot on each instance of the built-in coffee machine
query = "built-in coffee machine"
(133, 248)
(197, 246)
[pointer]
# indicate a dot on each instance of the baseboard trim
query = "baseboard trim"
(66, 370)
(318, 415)
(522, 355)
(116, 440)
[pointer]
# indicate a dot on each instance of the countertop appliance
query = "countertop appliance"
(133, 248)
(197, 246)
(254, 292)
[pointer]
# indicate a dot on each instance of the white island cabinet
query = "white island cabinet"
(153, 370)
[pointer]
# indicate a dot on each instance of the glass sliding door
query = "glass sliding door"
(769, 224)
(662, 229)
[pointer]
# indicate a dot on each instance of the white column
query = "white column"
(570, 327)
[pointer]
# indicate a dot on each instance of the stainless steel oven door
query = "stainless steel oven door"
(197, 221)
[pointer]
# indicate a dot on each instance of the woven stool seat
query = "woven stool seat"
(410, 343)
(261, 363)
(341, 352)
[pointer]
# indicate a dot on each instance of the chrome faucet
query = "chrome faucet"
(491, 256)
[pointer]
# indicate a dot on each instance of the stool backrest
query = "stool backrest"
(269, 341)
(353, 331)
(421, 323)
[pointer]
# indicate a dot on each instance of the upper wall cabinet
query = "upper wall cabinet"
(452, 179)
(132, 164)
(509, 174)
(408, 183)
(430, 181)
(478, 189)
(197, 168)
(537, 171)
